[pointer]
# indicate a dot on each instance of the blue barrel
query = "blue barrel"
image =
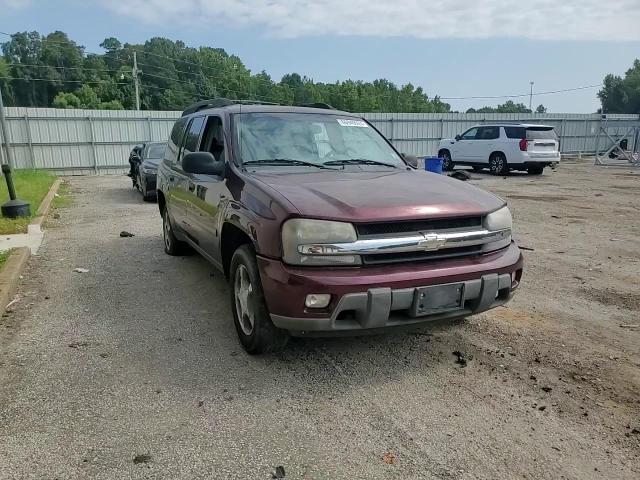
(433, 164)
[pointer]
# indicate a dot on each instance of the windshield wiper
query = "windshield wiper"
(359, 161)
(285, 161)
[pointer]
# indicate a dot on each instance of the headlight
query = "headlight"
(299, 236)
(500, 220)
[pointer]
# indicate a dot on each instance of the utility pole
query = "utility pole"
(531, 96)
(5, 135)
(136, 80)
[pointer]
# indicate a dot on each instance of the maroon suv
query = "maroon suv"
(322, 227)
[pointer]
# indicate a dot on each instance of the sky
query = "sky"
(452, 48)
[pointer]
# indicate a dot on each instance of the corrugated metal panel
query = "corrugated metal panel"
(75, 141)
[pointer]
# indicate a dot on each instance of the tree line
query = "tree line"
(54, 71)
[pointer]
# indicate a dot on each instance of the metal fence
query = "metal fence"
(81, 142)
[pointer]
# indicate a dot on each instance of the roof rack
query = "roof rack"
(318, 105)
(220, 102)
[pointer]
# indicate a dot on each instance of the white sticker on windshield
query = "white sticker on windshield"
(352, 123)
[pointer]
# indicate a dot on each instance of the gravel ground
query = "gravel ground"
(133, 370)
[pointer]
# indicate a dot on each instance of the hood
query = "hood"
(379, 196)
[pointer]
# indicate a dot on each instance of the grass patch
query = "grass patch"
(31, 186)
(3, 257)
(63, 199)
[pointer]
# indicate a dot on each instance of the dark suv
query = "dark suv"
(322, 227)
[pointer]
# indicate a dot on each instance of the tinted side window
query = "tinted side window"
(213, 138)
(470, 134)
(175, 139)
(488, 133)
(192, 138)
(515, 132)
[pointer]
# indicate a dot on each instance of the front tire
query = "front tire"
(447, 163)
(498, 164)
(256, 331)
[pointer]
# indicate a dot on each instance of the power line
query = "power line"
(17, 64)
(522, 94)
(61, 81)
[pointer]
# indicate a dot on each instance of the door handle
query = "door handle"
(192, 186)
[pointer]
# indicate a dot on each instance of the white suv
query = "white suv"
(503, 147)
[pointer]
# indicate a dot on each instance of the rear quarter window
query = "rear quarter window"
(515, 132)
(173, 145)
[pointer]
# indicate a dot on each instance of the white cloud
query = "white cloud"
(539, 19)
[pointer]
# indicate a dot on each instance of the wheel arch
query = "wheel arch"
(500, 152)
(231, 238)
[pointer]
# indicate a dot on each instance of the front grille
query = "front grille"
(418, 256)
(413, 226)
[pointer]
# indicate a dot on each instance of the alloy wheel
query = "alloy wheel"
(446, 164)
(497, 164)
(243, 291)
(167, 231)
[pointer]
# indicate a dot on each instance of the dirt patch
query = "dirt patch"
(610, 297)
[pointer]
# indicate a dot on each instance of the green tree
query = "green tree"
(66, 100)
(541, 109)
(622, 95)
(173, 76)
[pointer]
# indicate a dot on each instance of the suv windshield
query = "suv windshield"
(156, 150)
(298, 138)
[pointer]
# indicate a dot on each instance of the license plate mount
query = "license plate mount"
(437, 299)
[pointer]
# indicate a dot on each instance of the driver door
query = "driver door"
(208, 193)
(462, 150)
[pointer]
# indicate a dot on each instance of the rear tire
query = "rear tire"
(447, 163)
(256, 331)
(498, 164)
(535, 170)
(172, 246)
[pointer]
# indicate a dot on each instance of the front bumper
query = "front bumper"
(371, 298)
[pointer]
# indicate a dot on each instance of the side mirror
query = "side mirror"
(202, 163)
(412, 160)
(458, 137)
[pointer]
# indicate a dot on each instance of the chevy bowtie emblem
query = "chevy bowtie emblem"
(432, 241)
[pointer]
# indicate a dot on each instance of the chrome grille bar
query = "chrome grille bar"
(430, 241)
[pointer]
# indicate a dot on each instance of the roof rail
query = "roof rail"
(220, 102)
(318, 105)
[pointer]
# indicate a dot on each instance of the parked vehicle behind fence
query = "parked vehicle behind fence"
(503, 147)
(323, 228)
